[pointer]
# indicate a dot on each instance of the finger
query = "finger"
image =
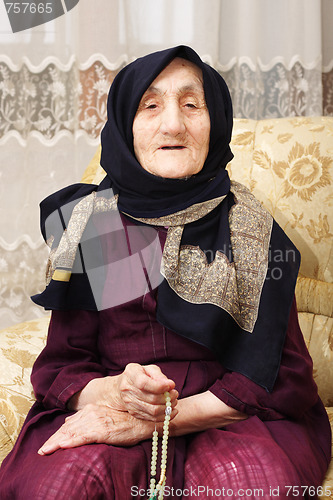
(147, 405)
(152, 412)
(155, 399)
(174, 394)
(52, 444)
(65, 442)
(153, 416)
(148, 378)
(156, 374)
(146, 383)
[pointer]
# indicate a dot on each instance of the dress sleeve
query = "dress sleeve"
(69, 360)
(294, 392)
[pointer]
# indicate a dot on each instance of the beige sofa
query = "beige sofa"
(288, 164)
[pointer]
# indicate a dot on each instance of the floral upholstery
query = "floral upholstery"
(19, 347)
(287, 163)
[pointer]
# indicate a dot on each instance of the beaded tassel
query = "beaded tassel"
(157, 490)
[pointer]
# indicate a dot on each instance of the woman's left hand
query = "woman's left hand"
(98, 424)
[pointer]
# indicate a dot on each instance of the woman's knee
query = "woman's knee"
(234, 468)
(74, 474)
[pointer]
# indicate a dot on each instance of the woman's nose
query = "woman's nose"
(172, 120)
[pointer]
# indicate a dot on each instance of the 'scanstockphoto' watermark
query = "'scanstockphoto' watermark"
(23, 15)
(130, 263)
(207, 492)
(121, 263)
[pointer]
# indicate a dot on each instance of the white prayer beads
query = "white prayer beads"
(157, 490)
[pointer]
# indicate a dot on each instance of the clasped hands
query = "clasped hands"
(121, 410)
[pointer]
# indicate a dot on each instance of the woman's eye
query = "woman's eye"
(151, 106)
(190, 105)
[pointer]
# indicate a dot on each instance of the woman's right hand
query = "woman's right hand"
(139, 390)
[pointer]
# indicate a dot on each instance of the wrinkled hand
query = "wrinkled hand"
(140, 391)
(98, 424)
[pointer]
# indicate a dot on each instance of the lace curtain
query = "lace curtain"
(277, 58)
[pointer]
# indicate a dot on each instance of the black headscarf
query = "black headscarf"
(254, 350)
(142, 194)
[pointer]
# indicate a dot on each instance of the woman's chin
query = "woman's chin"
(178, 171)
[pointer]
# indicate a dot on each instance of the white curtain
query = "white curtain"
(276, 56)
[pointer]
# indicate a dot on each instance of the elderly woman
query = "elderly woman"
(161, 283)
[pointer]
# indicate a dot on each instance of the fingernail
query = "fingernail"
(44, 449)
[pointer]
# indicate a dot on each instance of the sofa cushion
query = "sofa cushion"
(287, 163)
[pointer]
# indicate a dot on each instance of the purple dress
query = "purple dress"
(284, 443)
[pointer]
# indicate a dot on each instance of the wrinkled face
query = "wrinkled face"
(171, 128)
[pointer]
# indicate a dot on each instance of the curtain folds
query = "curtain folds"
(277, 58)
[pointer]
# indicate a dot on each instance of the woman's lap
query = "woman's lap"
(241, 461)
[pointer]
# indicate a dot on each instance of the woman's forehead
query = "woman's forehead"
(179, 73)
